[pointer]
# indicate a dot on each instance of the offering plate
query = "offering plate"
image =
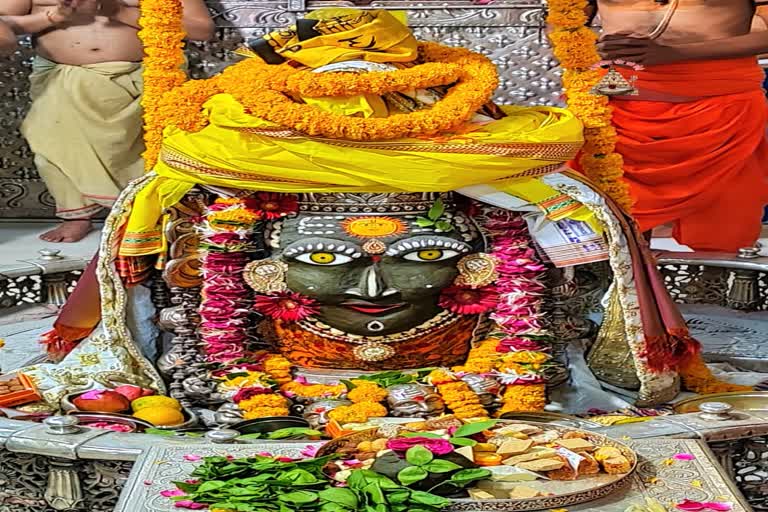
(747, 401)
(561, 493)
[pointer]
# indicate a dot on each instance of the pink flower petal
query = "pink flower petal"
(94, 394)
(684, 456)
(192, 458)
(147, 482)
(696, 506)
(310, 451)
(170, 493)
(189, 504)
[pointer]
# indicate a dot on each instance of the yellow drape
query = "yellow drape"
(237, 150)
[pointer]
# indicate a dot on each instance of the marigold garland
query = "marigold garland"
(265, 91)
(366, 391)
(279, 368)
(698, 378)
(357, 413)
(162, 36)
(264, 406)
(574, 46)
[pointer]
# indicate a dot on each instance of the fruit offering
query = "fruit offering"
(101, 400)
(160, 411)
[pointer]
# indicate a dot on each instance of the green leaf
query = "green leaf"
(160, 432)
(462, 441)
(294, 432)
(467, 476)
(418, 455)
(298, 476)
(471, 429)
(235, 375)
(256, 435)
(412, 475)
(334, 507)
(423, 222)
(340, 496)
(375, 493)
(211, 485)
(349, 384)
(441, 466)
(428, 435)
(399, 496)
(444, 226)
(431, 500)
(437, 210)
(299, 497)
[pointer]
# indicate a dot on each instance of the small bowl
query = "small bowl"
(136, 424)
(267, 425)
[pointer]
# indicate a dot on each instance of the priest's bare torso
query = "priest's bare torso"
(693, 21)
(89, 38)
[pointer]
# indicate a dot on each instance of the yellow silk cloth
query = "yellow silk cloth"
(347, 34)
(240, 151)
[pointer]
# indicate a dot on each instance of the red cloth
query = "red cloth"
(701, 165)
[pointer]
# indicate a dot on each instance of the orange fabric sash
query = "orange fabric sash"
(701, 165)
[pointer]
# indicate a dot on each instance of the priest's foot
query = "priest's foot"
(68, 231)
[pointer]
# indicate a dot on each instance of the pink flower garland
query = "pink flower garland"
(521, 290)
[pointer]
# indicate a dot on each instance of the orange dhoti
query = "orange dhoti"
(701, 165)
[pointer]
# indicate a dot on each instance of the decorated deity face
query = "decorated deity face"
(375, 274)
(316, 413)
(414, 401)
(488, 389)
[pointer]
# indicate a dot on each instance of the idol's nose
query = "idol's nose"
(371, 284)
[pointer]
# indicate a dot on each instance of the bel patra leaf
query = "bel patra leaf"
(424, 222)
(441, 466)
(462, 441)
(412, 475)
(418, 455)
(437, 210)
(298, 497)
(211, 485)
(471, 429)
(466, 476)
(444, 226)
(340, 496)
(431, 500)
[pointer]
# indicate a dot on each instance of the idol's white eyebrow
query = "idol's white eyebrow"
(418, 243)
(314, 244)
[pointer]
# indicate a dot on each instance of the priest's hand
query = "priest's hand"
(643, 51)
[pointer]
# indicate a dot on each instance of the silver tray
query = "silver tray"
(565, 493)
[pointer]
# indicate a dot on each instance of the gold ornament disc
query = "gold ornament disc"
(477, 270)
(373, 352)
(266, 276)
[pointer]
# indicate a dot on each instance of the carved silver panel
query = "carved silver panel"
(508, 31)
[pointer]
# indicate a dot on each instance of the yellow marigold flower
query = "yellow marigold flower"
(523, 398)
(366, 391)
(357, 413)
(575, 48)
(526, 357)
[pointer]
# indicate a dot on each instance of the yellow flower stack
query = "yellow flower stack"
(575, 47)
(458, 396)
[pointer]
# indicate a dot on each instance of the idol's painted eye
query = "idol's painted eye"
(431, 255)
(323, 258)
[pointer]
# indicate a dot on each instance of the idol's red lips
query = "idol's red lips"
(370, 308)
